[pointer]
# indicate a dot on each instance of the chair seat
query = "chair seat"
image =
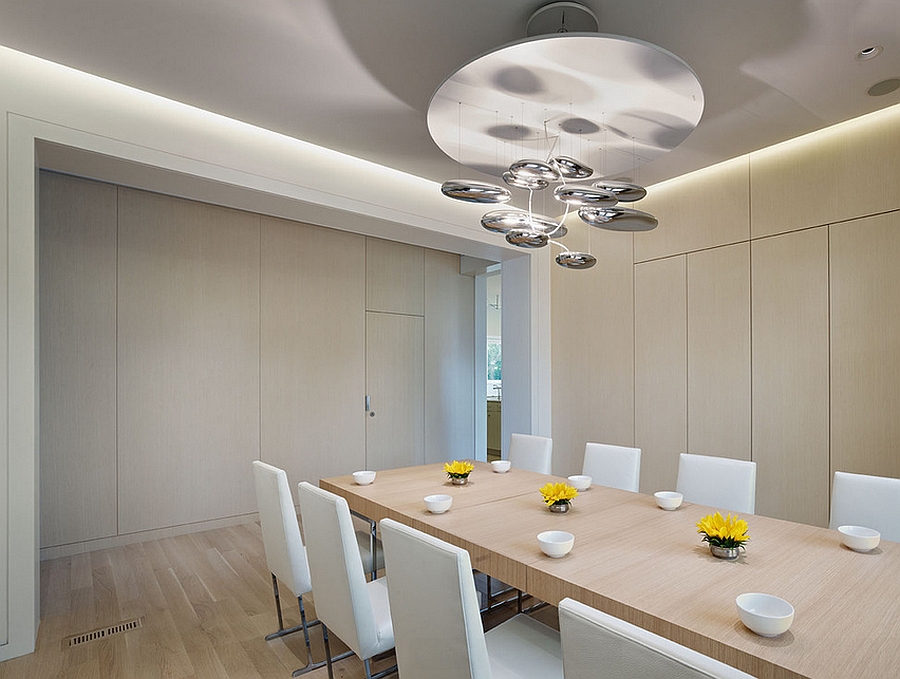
(384, 631)
(524, 647)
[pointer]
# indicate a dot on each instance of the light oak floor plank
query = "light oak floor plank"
(206, 604)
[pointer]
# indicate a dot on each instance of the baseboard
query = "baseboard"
(58, 551)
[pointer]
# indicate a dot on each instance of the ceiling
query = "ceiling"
(357, 76)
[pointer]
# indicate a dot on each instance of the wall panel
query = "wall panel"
(718, 290)
(449, 359)
(593, 347)
(395, 383)
(660, 375)
(704, 209)
(841, 173)
(188, 361)
(789, 283)
(395, 277)
(312, 350)
(78, 359)
(865, 346)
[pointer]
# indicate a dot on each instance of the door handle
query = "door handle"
(368, 403)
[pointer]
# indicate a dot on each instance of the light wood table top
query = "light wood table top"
(847, 604)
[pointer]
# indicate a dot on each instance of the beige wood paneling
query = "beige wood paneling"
(395, 383)
(593, 347)
(842, 173)
(718, 340)
(865, 346)
(449, 359)
(789, 290)
(704, 209)
(188, 362)
(395, 277)
(312, 350)
(78, 359)
(660, 369)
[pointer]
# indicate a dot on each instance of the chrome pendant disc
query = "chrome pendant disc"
(625, 192)
(583, 89)
(576, 260)
(475, 192)
(530, 168)
(530, 183)
(504, 221)
(525, 238)
(570, 168)
(576, 195)
(618, 218)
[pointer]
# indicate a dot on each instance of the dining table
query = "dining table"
(649, 567)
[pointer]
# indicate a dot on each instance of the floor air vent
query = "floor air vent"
(103, 632)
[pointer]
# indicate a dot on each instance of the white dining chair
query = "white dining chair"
(437, 625)
(596, 645)
(534, 453)
(285, 552)
(720, 482)
(864, 500)
(356, 611)
(613, 466)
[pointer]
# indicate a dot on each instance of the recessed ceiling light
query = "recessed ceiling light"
(884, 87)
(869, 52)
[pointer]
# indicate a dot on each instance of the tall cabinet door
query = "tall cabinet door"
(395, 388)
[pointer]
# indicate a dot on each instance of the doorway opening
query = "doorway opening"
(494, 375)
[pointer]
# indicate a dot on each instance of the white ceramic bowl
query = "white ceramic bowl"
(668, 499)
(364, 478)
(580, 482)
(858, 538)
(500, 466)
(438, 504)
(556, 543)
(765, 614)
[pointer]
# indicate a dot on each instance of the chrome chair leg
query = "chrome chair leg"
(281, 631)
(327, 651)
(380, 675)
(373, 528)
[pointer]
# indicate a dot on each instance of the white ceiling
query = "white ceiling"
(357, 75)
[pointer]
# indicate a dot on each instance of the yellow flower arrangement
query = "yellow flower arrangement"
(458, 470)
(729, 532)
(558, 493)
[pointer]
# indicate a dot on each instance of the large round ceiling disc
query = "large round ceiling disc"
(618, 218)
(566, 92)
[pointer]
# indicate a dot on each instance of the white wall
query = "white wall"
(43, 102)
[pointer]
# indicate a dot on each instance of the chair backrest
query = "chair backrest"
(534, 453)
(342, 600)
(870, 501)
(719, 482)
(434, 606)
(285, 553)
(598, 646)
(613, 466)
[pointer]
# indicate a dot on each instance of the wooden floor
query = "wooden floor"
(205, 603)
